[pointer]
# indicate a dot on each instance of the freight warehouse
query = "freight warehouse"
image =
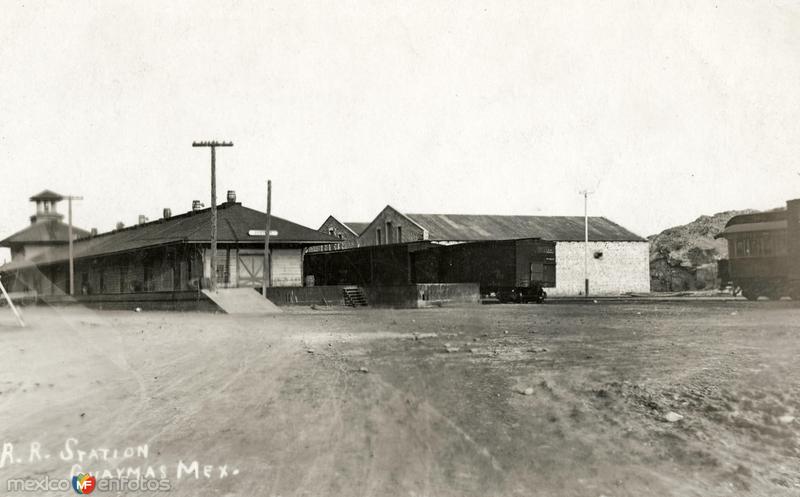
(618, 259)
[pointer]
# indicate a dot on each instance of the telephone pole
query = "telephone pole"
(70, 198)
(266, 268)
(213, 145)
(586, 194)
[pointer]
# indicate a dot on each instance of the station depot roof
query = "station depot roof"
(234, 224)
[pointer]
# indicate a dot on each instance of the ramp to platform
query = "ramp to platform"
(241, 301)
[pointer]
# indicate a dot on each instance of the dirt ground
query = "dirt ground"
(493, 400)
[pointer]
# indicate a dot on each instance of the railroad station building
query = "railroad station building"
(618, 259)
(168, 255)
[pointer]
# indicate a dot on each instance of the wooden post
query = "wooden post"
(11, 304)
(586, 243)
(213, 219)
(70, 198)
(586, 194)
(213, 145)
(69, 236)
(266, 269)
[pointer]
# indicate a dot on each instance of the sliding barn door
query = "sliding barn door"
(251, 269)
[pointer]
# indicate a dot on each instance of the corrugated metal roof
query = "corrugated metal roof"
(465, 227)
(233, 223)
(44, 231)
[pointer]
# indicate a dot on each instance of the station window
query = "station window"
(222, 273)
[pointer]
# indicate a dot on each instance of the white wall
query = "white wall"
(624, 267)
(287, 267)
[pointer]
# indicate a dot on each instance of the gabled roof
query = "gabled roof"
(234, 221)
(47, 195)
(465, 227)
(356, 228)
(44, 232)
(391, 209)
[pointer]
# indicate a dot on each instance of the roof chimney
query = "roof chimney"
(167, 213)
(120, 225)
(142, 219)
(231, 196)
(196, 205)
(94, 232)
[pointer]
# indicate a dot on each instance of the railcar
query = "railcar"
(764, 253)
(512, 270)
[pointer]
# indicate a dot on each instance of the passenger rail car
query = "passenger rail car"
(764, 253)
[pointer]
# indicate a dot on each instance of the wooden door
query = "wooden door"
(251, 269)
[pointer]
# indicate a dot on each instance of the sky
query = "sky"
(666, 110)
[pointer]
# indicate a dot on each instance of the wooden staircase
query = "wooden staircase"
(354, 296)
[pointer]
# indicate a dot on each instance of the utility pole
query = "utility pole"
(586, 194)
(213, 145)
(266, 269)
(70, 198)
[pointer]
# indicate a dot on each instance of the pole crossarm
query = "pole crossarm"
(211, 143)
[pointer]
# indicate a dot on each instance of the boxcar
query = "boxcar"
(512, 270)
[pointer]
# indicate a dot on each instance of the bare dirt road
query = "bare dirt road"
(491, 400)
